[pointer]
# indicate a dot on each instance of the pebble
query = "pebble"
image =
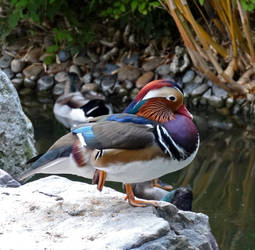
(219, 92)
(45, 83)
(25, 91)
(61, 76)
(206, 96)
(89, 87)
(17, 82)
(144, 79)
(152, 64)
(5, 61)
(128, 85)
(128, 72)
(87, 78)
(8, 72)
(109, 68)
(33, 71)
(216, 101)
(59, 89)
(33, 55)
(81, 60)
(28, 83)
(229, 102)
(133, 93)
(75, 69)
(17, 65)
(198, 79)
(199, 90)
(93, 56)
(236, 109)
(189, 87)
(163, 69)
(108, 84)
(188, 76)
(132, 60)
(64, 55)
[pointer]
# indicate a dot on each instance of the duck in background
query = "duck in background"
(155, 138)
(72, 108)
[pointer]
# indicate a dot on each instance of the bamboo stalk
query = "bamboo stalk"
(246, 29)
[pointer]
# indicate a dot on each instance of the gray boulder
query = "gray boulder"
(16, 130)
(56, 213)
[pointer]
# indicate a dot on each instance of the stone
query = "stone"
(64, 55)
(16, 130)
(17, 65)
(75, 69)
(55, 67)
(188, 76)
(61, 76)
(144, 79)
(25, 92)
(89, 87)
(58, 89)
(17, 82)
(199, 90)
(229, 102)
(216, 102)
(236, 109)
(45, 83)
(5, 61)
(152, 64)
(56, 213)
(128, 72)
(128, 85)
(198, 79)
(108, 84)
(33, 55)
(131, 59)
(180, 62)
(81, 60)
(87, 78)
(163, 69)
(33, 70)
(110, 68)
(189, 87)
(93, 56)
(28, 83)
(8, 72)
(219, 92)
(6, 180)
(110, 54)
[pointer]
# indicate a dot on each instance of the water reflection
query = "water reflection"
(221, 176)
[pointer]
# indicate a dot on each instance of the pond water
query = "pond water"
(222, 176)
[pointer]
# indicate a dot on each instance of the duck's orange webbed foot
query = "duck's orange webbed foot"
(135, 202)
(160, 184)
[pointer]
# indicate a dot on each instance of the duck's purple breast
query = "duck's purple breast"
(184, 132)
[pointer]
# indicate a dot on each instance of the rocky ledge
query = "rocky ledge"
(56, 213)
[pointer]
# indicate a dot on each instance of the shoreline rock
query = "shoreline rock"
(56, 213)
(16, 130)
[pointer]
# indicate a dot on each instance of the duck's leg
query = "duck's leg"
(160, 184)
(101, 182)
(99, 179)
(133, 201)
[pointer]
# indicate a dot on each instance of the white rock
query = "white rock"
(56, 213)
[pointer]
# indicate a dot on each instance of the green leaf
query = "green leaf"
(133, 5)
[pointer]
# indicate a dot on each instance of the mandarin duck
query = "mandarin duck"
(73, 108)
(156, 137)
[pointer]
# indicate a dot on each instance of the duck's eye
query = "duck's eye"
(171, 98)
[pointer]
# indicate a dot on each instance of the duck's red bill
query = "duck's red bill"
(184, 111)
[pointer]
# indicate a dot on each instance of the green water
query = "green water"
(222, 176)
